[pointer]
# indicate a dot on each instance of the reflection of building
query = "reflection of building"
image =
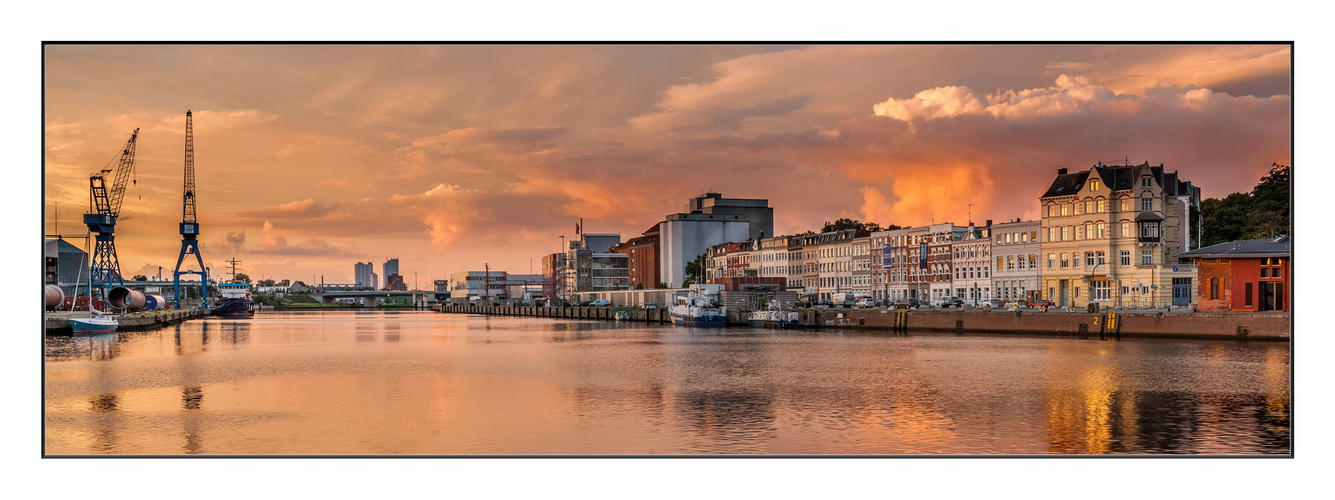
(1248, 275)
(1109, 234)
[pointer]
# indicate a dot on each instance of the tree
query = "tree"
(140, 277)
(1264, 213)
(695, 271)
(241, 278)
(662, 284)
(639, 286)
(847, 223)
(265, 283)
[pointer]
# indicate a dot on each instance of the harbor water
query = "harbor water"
(424, 383)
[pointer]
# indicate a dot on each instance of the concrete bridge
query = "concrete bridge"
(372, 298)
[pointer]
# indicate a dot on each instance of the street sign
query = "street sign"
(1174, 268)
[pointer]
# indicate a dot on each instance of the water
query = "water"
(426, 383)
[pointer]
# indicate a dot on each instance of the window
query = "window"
(1033, 261)
(1080, 232)
(1125, 231)
(1052, 257)
(1010, 263)
(1052, 234)
(1024, 236)
(1093, 185)
(1102, 258)
(1146, 204)
(1126, 258)
(1066, 262)
(1146, 257)
(1008, 237)
(1099, 233)
(1144, 182)
(1265, 272)
(1089, 206)
(1126, 204)
(998, 263)
(1033, 235)
(1100, 206)
(1076, 208)
(1066, 233)
(1052, 210)
(1066, 209)
(1246, 294)
(1089, 259)
(1275, 273)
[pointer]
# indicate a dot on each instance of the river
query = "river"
(423, 383)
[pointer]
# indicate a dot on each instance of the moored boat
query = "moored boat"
(773, 318)
(234, 301)
(95, 324)
(698, 308)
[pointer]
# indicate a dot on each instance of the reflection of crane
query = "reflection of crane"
(106, 268)
(189, 227)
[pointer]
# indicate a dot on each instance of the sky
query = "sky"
(310, 158)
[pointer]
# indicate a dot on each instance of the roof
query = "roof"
(1278, 247)
(1066, 184)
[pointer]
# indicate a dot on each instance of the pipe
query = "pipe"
(125, 298)
(54, 297)
(152, 302)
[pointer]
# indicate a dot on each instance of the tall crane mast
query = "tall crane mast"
(106, 268)
(189, 226)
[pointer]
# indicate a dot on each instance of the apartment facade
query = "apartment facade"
(920, 261)
(1016, 271)
(1110, 235)
(971, 266)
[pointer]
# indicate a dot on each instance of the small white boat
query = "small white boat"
(773, 318)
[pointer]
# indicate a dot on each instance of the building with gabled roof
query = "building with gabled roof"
(1110, 233)
(1251, 275)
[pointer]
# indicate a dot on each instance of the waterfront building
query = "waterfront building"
(442, 291)
(971, 266)
(773, 258)
(554, 271)
(478, 287)
(834, 253)
(810, 245)
(861, 279)
(523, 288)
(920, 261)
(878, 244)
(1016, 271)
(66, 265)
(1110, 234)
(643, 256)
(590, 267)
(794, 264)
(709, 219)
(362, 274)
(1251, 275)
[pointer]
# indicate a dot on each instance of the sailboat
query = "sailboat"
(97, 321)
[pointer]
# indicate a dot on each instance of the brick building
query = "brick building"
(644, 258)
(1248, 275)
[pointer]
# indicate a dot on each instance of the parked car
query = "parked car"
(907, 303)
(864, 302)
(582, 303)
(803, 304)
(824, 303)
(954, 302)
(1042, 302)
(600, 303)
(1016, 303)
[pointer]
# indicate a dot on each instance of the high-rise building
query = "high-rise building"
(391, 266)
(362, 274)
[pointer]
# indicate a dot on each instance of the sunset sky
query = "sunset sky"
(312, 157)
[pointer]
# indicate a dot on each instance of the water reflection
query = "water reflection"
(363, 382)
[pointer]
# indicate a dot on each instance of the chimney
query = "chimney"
(1061, 171)
(989, 223)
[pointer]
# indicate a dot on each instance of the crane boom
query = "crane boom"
(188, 209)
(106, 269)
(189, 226)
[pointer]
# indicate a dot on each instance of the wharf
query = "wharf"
(58, 322)
(1129, 323)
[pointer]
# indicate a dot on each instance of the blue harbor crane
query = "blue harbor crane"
(106, 267)
(190, 227)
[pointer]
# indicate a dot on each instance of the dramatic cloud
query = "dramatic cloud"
(309, 158)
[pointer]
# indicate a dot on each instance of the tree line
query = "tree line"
(1264, 213)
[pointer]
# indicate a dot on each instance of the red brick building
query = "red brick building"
(751, 283)
(644, 253)
(1253, 275)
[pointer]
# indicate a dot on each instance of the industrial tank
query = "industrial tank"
(127, 299)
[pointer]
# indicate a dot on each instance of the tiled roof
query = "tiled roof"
(1066, 184)
(1278, 247)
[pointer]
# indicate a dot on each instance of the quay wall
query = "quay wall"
(143, 321)
(1218, 326)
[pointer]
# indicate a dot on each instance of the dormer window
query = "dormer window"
(1093, 185)
(1144, 182)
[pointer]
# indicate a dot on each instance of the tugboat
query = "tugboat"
(698, 308)
(234, 301)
